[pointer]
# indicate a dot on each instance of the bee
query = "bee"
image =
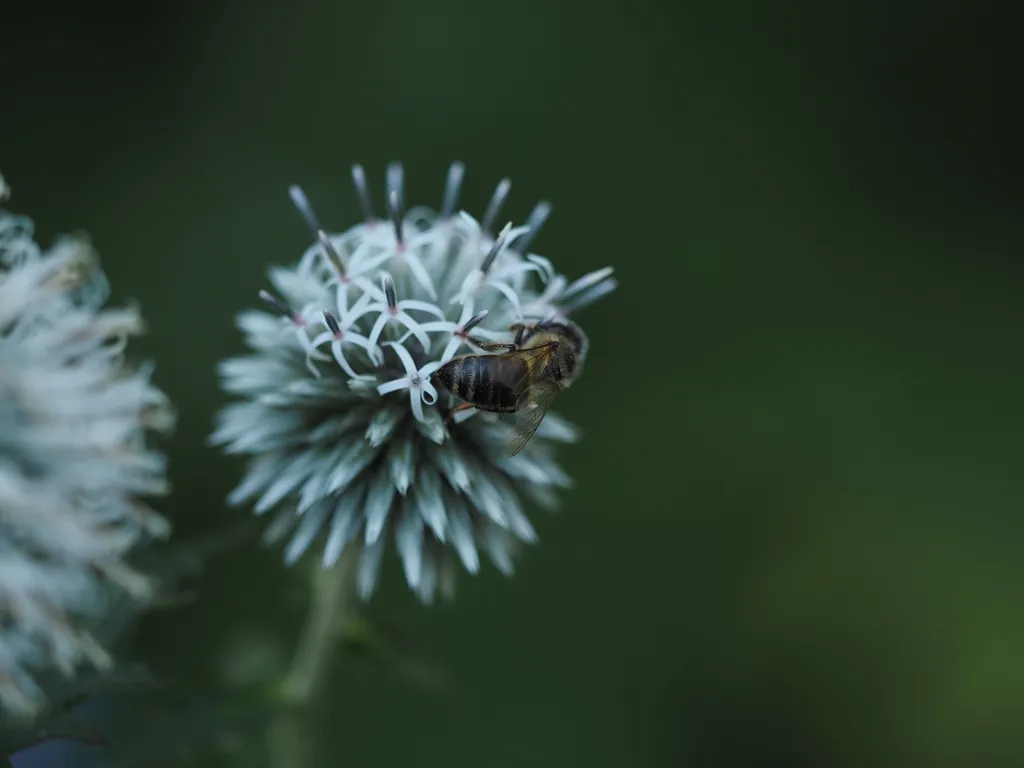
(523, 378)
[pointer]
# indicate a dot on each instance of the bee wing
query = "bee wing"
(540, 351)
(530, 412)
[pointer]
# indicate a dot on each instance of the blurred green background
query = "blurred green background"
(796, 537)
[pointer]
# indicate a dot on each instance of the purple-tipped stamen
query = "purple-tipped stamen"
(332, 323)
(301, 203)
(587, 281)
(538, 217)
(363, 192)
(496, 248)
(456, 172)
(587, 297)
(395, 179)
(330, 252)
(390, 294)
(395, 214)
(474, 321)
(275, 303)
(494, 207)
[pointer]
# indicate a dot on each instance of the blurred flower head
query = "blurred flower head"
(73, 459)
(339, 412)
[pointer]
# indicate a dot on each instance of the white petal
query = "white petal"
(547, 269)
(378, 326)
(414, 328)
(416, 403)
(419, 272)
(369, 288)
(449, 351)
(322, 338)
(356, 312)
(429, 391)
(339, 356)
(371, 264)
(434, 326)
(403, 354)
(422, 306)
(469, 287)
(394, 386)
(509, 294)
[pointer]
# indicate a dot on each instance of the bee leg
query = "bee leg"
(492, 346)
(520, 330)
(456, 409)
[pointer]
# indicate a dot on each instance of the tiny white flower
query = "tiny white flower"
(350, 452)
(338, 334)
(416, 380)
(460, 330)
(73, 460)
(391, 310)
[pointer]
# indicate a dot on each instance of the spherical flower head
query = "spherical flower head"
(73, 460)
(347, 427)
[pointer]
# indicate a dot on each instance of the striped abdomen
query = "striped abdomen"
(490, 382)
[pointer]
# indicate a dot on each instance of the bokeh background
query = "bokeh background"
(797, 534)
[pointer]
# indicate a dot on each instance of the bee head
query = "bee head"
(570, 352)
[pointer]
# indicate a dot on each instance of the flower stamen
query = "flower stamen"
(587, 289)
(480, 278)
(337, 336)
(416, 380)
(452, 185)
(393, 310)
(280, 307)
(395, 186)
(538, 216)
(494, 206)
(331, 254)
(301, 203)
(363, 192)
(497, 247)
(300, 324)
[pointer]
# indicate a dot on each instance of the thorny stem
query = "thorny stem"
(291, 736)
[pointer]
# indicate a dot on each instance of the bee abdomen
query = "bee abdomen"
(479, 379)
(465, 377)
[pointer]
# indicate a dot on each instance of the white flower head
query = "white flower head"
(340, 412)
(73, 459)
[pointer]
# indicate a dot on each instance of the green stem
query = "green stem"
(333, 603)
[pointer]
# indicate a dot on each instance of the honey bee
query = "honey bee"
(522, 379)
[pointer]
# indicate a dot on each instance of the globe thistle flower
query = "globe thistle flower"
(344, 426)
(73, 460)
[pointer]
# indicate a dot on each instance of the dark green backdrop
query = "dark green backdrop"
(796, 538)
